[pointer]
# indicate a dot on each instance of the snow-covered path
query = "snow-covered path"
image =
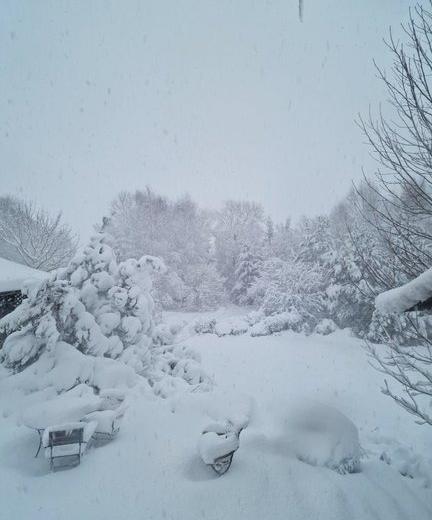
(152, 470)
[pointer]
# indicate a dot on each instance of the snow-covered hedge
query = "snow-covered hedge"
(283, 321)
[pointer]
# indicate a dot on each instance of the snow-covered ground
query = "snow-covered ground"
(153, 470)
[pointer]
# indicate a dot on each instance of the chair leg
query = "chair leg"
(40, 444)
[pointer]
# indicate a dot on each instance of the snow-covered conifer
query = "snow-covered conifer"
(98, 306)
(246, 273)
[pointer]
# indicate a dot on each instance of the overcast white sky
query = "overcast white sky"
(221, 99)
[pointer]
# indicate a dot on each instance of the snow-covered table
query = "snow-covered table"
(62, 409)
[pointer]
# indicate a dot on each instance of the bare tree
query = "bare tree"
(410, 367)
(31, 236)
(400, 210)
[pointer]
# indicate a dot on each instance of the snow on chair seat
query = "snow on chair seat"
(66, 443)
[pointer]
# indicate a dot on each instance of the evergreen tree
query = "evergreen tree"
(98, 306)
(246, 273)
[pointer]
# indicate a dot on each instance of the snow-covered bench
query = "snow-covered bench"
(66, 443)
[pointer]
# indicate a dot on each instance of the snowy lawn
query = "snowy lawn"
(153, 469)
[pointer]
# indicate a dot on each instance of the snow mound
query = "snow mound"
(66, 367)
(322, 436)
(403, 298)
(403, 458)
(63, 409)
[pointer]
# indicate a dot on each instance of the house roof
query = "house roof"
(406, 296)
(13, 275)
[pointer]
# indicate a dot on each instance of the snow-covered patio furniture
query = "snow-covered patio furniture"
(109, 414)
(66, 443)
(64, 409)
(217, 446)
(107, 424)
(79, 405)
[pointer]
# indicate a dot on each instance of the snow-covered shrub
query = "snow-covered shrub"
(231, 327)
(254, 317)
(208, 289)
(98, 306)
(162, 335)
(204, 325)
(176, 326)
(290, 320)
(177, 368)
(170, 292)
(291, 287)
(325, 326)
(201, 288)
(322, 436)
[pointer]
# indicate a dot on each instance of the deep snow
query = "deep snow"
(153, 470)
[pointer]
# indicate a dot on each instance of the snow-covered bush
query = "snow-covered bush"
(177, 326)
(204, 325)
(231, 327)
(170, 292)
(325, 326)
(162, 334)
(254, 317)
(322, 436)
(98, 306)
(177, 368)
(207, 287)
(294, 287)
(290, 320)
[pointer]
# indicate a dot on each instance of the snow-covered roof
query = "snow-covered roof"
(403, 298)
(13, 275)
